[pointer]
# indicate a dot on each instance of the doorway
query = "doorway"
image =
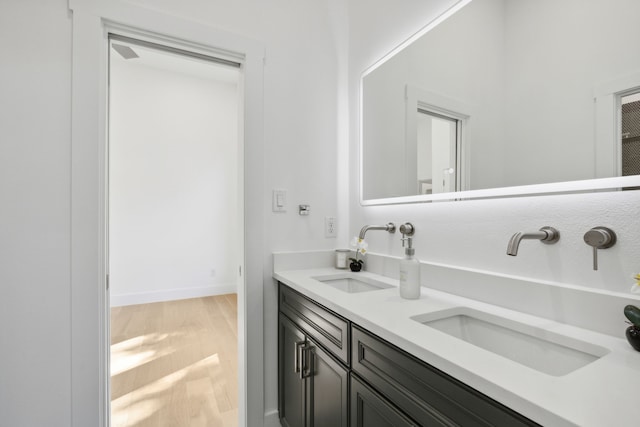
(174, 221)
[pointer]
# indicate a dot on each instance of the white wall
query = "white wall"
(173, 158)
(303, 114)
(475, 233)
(300, 107)
(35, 85)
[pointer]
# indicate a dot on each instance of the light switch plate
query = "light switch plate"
(279, 200)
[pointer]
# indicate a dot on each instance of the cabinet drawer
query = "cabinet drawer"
(369, 409)
(423, 392)
(325, 327)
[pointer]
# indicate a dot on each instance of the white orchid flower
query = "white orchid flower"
(360, 245)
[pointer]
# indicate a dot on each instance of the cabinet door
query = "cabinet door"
(327, 382)
(291, 385)
(369, 409)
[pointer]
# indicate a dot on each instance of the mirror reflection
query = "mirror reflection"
(505, 93)
(437, 137)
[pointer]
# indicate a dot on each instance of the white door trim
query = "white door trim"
(89, 326)
(608, 119)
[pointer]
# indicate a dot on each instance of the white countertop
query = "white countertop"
(603, 393)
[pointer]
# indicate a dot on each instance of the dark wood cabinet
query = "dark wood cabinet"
(313, 381)
(370, 409)
(335, 374)
(424, 393)
(326, 327)
(292, 385)
(327, 391)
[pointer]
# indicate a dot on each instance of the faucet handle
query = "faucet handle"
(407, 229)
(599, 238)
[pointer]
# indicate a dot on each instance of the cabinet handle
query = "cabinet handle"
(310, 366)
(360, 352)
(297, 355)
(303, 360)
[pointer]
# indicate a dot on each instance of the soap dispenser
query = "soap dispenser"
(409, 266)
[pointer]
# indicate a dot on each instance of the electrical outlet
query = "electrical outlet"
(330, 226)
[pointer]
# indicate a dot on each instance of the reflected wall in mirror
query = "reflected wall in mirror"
(530, 92)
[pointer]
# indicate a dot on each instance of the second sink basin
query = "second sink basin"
(352, 282)
(540, 349)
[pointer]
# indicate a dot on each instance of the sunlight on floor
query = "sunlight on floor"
(126, 355)
(175, 364)
(137, 405)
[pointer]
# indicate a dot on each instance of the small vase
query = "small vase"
(633, 336)
(355, 266)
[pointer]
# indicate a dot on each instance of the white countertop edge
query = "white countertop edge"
(601, 393)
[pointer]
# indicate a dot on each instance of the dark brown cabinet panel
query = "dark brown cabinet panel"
(370, 409)
(426, 394)
(328, 385)
(327, 328)
(291, 384)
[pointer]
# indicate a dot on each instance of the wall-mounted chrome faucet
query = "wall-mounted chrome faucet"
(546, 235)
(599, 238)
(390, 227)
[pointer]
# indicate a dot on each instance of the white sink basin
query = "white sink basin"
(545, 351)
(352, 282)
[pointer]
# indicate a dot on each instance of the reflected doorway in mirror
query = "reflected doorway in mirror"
(630, 126)
(437, 151)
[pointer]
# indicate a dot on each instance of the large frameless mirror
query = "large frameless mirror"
(502, 98)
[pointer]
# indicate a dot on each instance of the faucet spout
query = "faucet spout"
(546, 235)
(390, 227)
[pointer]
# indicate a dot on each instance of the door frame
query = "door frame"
(92, 21)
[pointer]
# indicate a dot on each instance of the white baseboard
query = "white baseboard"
(170, 295)
(272, 419)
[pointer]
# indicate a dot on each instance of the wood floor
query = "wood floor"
(175, 363)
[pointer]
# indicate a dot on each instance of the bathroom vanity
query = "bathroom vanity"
(388, 387)
(352, 352)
